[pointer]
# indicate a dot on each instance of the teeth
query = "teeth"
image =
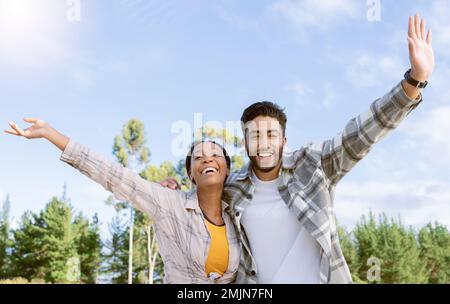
(209, 169)
(266, 154)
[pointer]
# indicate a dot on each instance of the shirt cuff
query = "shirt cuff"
(71, 153)
(404, 99)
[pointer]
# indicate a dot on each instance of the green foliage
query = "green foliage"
(28, 256)
(5, 239)
(89, 248)
(155, 174)
(351, 255)
(58, 238)
(117, 252)
(130, 150)
(237, 162)
(46, 244)
(117, 247)
(405, 256)
(434, 242)
(131, 143)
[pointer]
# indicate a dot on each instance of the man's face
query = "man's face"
(264, 143)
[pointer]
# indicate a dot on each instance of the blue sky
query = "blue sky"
(162, 61)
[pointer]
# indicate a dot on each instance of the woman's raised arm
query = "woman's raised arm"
(126, 185)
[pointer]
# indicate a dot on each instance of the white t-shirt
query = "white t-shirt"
(283, 249)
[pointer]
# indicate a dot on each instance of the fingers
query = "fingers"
(173, 183)
(417, 29)
(13, 126)
(13, 132)
(170, 183)
(30, 120)
(417, 26)
(429, 37)
(172, 186)
(411, 46)
(177, 185)
(422, 29)
(411, 28)
(16, 128)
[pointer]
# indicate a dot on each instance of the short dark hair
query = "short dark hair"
(191, 150)
(265, 108)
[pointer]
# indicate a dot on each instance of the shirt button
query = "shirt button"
(237, 213)
(252, 272)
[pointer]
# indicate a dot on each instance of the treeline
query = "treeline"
(58, 245)
(55, 245)
(383, 250)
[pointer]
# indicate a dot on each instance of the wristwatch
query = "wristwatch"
(413, 82)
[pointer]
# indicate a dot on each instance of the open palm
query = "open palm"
(37, 130)
(421, 53)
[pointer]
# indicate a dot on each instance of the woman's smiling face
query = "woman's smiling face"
(208, 165)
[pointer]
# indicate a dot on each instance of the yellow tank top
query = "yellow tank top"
(217, 260)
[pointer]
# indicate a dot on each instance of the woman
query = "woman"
(196, 237)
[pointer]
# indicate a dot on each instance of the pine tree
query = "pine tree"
(56, 245)
(117, 251)
(348, 247)
(89, 245)
(28, 256)
(59, 240)
(435, 251)
(395, 247)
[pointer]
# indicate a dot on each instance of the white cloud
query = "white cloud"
(90, 70)
(242, 23)
(324, 98)
(304, 14)
(439, 88)
(416, 202)
(438, 17)
(329, 98)
(369, 70)
(430, 134)
(301, 91)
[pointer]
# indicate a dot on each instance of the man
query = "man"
(282, 202)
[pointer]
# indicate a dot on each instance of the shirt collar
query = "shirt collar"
(192, 202)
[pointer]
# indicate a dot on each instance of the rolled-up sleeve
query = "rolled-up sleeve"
(123, 183)
(342, 152)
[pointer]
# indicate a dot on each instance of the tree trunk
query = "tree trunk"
(130, 250)
(150, 253)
